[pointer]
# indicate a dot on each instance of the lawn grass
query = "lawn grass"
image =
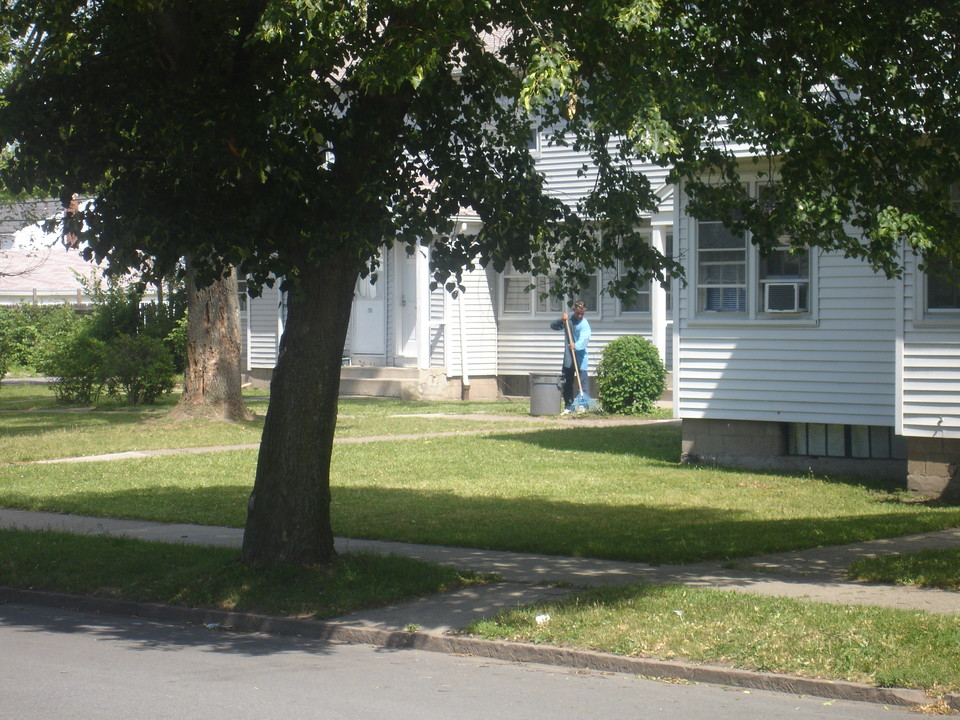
(616, 492)
(609, 492)
(612, 492)
(925, 568)
(213, 577)
(878, 646)
(34, 427)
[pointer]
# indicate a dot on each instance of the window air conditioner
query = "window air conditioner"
(782, 297)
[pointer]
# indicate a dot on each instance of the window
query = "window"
(520, 300)
(943, 287)
(943, 293)
(721, 269)
(516, 294)
(639, 301)
(784, 280)
(852, 441)
(549, 304)
(734, 277)
(534, 143)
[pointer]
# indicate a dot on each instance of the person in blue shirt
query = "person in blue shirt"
(574, 347)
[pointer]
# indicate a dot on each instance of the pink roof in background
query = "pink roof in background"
(43, 269)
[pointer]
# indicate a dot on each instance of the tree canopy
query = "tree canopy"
(272, 133)
(293, 138)
(851, 108)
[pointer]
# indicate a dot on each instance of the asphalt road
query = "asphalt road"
(60, 664)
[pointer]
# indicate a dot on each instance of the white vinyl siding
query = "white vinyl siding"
(525, 343)
(439, 328)
(569, 180)
(479, 336)
(929, 365)
(265, 325)
(836, 368)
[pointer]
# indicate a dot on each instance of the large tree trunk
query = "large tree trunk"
(211, 380)
(288, 515)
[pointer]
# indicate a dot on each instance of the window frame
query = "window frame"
(926, 316)
(764, 281)
(933, 316)
(753, 283)
(644, 292)
(537, 308)
(622, 312)
(666, 233)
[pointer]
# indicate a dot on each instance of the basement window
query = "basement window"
(876, 442)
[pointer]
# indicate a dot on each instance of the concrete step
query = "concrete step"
(374, 372)
(378, 381)
(372, 388)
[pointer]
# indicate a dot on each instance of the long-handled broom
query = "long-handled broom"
(582, 400)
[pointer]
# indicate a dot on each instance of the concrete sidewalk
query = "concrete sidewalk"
(817, 574)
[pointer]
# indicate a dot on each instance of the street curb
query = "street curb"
(332, 631)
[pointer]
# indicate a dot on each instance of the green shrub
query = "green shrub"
(141, 368)
(4, 343)
(78, 366)
(630, 377)
(34, 331)
(176, 340)
(119, 310)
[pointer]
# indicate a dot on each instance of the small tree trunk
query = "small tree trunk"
(288, 515)
(211, 379)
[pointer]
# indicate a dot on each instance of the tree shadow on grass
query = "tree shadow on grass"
(659, 442)
(636, 532)
(41, 423)
(639, 532)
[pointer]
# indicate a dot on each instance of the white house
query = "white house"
(405, 339)
(814, 363)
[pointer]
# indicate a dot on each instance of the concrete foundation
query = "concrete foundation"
(932, 468)
(406, 383)
(434, 385)
(258, 378)
(762, 446)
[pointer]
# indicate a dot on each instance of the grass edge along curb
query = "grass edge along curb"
(332, 631)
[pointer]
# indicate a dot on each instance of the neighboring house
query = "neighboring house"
(814, 363)
(44, 276)
(407, 340)
(34, 266)
(20, 223)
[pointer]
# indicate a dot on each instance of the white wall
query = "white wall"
(263, 328)
(837, 365)
(929, 366)
(478, 337)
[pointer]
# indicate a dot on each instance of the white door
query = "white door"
(369, 331)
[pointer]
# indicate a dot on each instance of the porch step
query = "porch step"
(372, 381)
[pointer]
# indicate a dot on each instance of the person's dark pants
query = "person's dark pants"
(570, 388)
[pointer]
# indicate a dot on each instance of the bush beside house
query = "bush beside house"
(631, 376)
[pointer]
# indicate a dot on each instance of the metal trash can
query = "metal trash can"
(546, 394)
